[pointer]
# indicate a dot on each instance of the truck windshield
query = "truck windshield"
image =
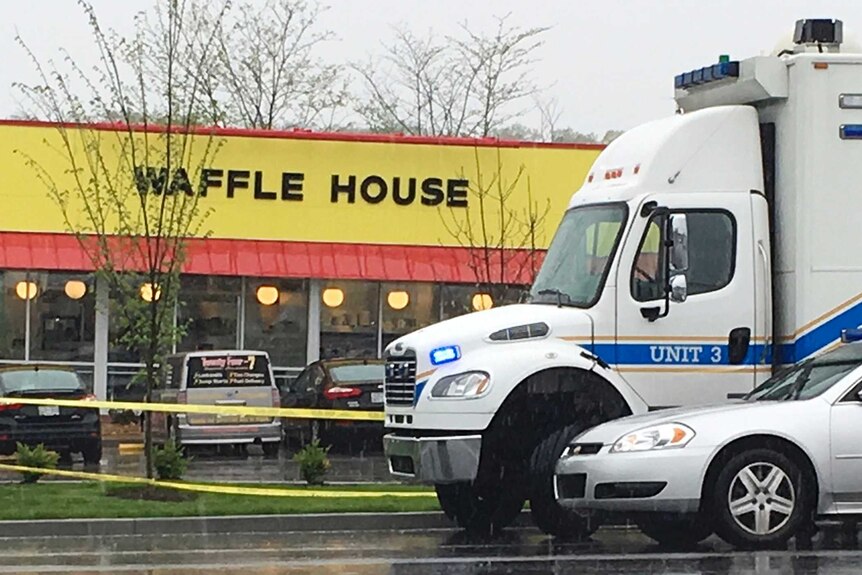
(578, 260)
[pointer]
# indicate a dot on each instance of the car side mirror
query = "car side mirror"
(859, 396)
(679, 246)
(678, 288)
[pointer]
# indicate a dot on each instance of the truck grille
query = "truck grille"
(400, 383)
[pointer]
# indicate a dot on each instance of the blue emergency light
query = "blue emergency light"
(850, 131)
(445, 354)
(851, 335)
(707, 74)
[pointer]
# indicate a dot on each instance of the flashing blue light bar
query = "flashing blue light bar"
(707, 74)
(850, 131)
(851, 335)
(445, 354)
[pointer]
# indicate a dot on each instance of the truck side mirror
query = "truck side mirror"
(678, 288)
(679, 246)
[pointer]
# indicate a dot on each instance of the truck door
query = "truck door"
(705, 341)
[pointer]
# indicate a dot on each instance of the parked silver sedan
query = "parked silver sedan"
(756, 471)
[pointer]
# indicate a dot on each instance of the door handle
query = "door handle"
(737, 344)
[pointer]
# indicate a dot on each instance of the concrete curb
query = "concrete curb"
(228, 524)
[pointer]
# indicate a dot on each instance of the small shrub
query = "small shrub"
(170, 462)
(123, 416)
(313, 462)
(35, 457)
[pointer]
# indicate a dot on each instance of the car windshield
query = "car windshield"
(357, 372)
(577, 262)
(810, 378)
(28, 381)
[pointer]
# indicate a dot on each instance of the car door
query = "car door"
(845, 427)
(701, 347)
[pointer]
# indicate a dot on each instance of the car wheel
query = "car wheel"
(270, 449)
(675, 530)
(92, 452)
(548, 515)
(481, 512)
(761, 498)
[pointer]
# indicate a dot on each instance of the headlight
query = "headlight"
(469, 384)
(664, 436)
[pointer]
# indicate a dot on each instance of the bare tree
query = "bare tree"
(470, 84)
(131, 195)
(502, 234)
(264, 72)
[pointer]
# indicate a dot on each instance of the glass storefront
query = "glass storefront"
(209, 312)
(276, 319)
(62, 317)
(349, 322)
(408, 307)
(356, 319)
(13, 315)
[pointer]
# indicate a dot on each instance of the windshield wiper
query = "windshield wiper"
(559, 294)
(799, 384)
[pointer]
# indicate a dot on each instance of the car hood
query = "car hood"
(611, 431)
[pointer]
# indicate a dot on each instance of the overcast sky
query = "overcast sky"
(609, 63)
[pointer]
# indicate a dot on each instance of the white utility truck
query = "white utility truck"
(702, 251)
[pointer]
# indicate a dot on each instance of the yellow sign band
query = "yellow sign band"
(292, 413)
(214, 488)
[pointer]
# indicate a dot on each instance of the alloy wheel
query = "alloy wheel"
(761, 498)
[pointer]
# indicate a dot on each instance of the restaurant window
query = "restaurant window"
(408, 307)
(348, 319)
(62, 317)
(13, 310)
(208, 312)
(276, 319)
(117, 328)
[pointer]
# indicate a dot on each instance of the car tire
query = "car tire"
(675, 530)
(477, 512)
(761, 499)
(92, 452)
(271, 449)
(548, 515)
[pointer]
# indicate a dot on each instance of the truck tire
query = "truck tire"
(675, 530)
(479, 512)
(548, 515)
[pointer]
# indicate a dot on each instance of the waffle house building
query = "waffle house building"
(319, 245)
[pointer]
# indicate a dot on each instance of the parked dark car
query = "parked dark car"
(346, 384)
(63, 429)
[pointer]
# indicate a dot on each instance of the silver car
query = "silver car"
(756, 471)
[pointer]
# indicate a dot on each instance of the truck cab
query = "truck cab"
(682, 273)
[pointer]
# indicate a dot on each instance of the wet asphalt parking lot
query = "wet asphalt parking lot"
(430, 552)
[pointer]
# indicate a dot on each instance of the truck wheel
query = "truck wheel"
(92, 452)
(477, 512)
(761, 498)
(675, 530)
(548, 515)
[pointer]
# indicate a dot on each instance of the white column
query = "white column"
(100, 345)
(312, 350)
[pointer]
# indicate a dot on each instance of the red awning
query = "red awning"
(257, 258)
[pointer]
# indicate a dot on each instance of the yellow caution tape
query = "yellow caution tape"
(293, 413)
(214, 488)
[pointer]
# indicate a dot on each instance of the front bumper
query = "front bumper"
(447, 459)
(218, 434)
(659, 481)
